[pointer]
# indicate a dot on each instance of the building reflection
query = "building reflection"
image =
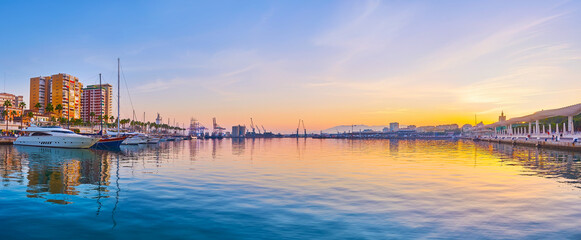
(238, 146)
(394, 146)
(540, 162)
(10, 165)
(54, 173)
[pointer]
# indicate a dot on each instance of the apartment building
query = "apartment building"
(63, 89)
(97, 99)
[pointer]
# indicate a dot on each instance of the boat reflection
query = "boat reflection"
(55, 174)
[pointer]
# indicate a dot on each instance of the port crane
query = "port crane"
(196, 129)
(217, 128)
(299, 127)
(252, 126)
(258, 129)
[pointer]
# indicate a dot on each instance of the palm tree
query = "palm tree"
(30, 115)
(59, 108)
(49, 109)
(22, 105)
(6, 105)
(92, 116)
(38, 106)
(4, 115)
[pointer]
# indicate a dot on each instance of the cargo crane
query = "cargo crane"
(218, 130)
(304, 128)
(196, 129)
(252, 126)
(299, 127)
(258, 129)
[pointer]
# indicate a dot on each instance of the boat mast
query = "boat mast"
(101, 107)
(118, 92)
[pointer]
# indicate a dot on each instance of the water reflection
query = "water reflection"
(538, 161)
(10, 166)
(238, 146)
(316, 187)
(54, 173)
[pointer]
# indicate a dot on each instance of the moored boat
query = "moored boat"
(110, 142)
(54, 136)
(152, 140)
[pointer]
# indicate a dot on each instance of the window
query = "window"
(59, 131)
(39, 134)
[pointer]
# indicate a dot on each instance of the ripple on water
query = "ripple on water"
(291, 189)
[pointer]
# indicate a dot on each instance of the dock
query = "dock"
(7, 140)
(548, 143)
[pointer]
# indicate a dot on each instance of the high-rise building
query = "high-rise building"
(97, 99)
(40, 89)
(59, 89)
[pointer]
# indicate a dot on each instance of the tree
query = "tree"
(30, 115)
(4, 115)
(22, 105)
(49, 109)
(59, 108)
(91, 117)
(38, 106)
(6, 105)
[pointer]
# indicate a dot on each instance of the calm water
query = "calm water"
(291, 189)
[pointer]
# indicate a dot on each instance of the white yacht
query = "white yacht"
(153, 140)
(136, 138)
(54, 136)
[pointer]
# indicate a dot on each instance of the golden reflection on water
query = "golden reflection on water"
(480, 170)
(53, 173)
(433, 189)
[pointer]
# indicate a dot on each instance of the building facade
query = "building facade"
(502, 117)
(40, 89)
(394, 126)
(97, 99)
(58, 89)
(238, 131)
(14, 100)
(14, 109)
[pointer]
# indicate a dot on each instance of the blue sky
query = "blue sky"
(328, 62)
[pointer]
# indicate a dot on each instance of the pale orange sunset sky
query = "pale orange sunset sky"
(331, 63)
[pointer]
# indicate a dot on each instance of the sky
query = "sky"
(326, 62)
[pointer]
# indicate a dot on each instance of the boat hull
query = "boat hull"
(59, 142)
(134, 141)
(109, 143)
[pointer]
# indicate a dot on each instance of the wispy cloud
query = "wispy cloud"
(162, 85)
(477, 45)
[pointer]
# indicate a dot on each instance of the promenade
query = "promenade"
(530, 131)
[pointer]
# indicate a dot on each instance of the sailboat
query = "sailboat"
(115, 141)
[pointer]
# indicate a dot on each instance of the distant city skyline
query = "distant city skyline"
(329, 63)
